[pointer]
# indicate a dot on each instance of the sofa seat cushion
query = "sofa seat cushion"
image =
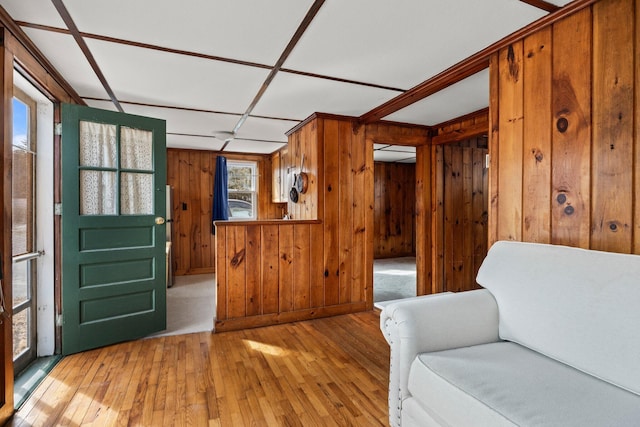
(505, 384)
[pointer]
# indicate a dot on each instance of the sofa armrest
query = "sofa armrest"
(433, 323)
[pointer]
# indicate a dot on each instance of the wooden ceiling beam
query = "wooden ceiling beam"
(66, 17)
(306, 21)
(541, 4)
(435, 84)
(469, 66)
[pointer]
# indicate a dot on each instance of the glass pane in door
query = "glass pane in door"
(98, 164)
(98, 145)
(21, 332)
(98, 192)
(136, 149)
(136, 194)
(22, 201)
(24, 252)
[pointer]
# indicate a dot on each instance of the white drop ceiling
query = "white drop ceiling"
(202, 64)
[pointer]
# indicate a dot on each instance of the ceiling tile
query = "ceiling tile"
(559, 2)
(154, 77)
(256, 31)
(407, 160)
(194, 142)
(65, 55)
(257, 147)
(400, 148)
(296, 97)
(266, 129)
(104, 105)
(466, 96)
(402, 43)
(185, 121)
(392, 156)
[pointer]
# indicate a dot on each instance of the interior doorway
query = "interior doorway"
(394, 242)
(32, 224)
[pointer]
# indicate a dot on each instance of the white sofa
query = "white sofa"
(553, 339)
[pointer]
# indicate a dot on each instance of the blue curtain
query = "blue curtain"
(220, 209)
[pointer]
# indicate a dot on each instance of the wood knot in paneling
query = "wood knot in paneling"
(286, 258)
(562, 124)
(237, 258)
(615, 226)
(514, 65)
(537, 154)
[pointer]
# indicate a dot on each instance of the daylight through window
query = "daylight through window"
(242, 190)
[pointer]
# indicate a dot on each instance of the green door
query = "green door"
(113, 231)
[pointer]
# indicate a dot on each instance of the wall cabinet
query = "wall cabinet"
(281, 181)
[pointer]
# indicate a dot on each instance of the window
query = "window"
(242, 190)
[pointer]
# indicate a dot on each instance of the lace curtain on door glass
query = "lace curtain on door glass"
(98, 190)
(136, 189)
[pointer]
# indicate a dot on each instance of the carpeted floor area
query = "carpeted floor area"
(394, 278)
(191, 299)
(190, 305)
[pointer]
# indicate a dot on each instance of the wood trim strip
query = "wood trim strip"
(314, 116)
(469, 66)
(66, 17)
(143, 45)
(269, 141)
(280, 222)
(287, 317)
(169, 107)
(6, 356)
(458, 72)
(340, 80)
(200, 55)
(461, 134)
(482, 114)
(541, 4)
(306, 21)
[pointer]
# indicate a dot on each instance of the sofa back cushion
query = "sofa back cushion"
(580, 307)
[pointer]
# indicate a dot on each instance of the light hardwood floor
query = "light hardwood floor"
(322, 372)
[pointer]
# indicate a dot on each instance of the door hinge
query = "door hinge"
(58, 319)
(57, 130)
(57, 209)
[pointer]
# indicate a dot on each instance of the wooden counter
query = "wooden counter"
(271, 272)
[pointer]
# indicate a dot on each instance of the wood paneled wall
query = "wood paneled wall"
(460, 201)
(323, 265)
(190, 173)
(394, 210)
(565, 141)
(273, 272)
(462, 219)
(304, 143)
(341, 169)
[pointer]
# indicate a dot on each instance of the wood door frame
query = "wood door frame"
(18, 52)
(6, 330)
